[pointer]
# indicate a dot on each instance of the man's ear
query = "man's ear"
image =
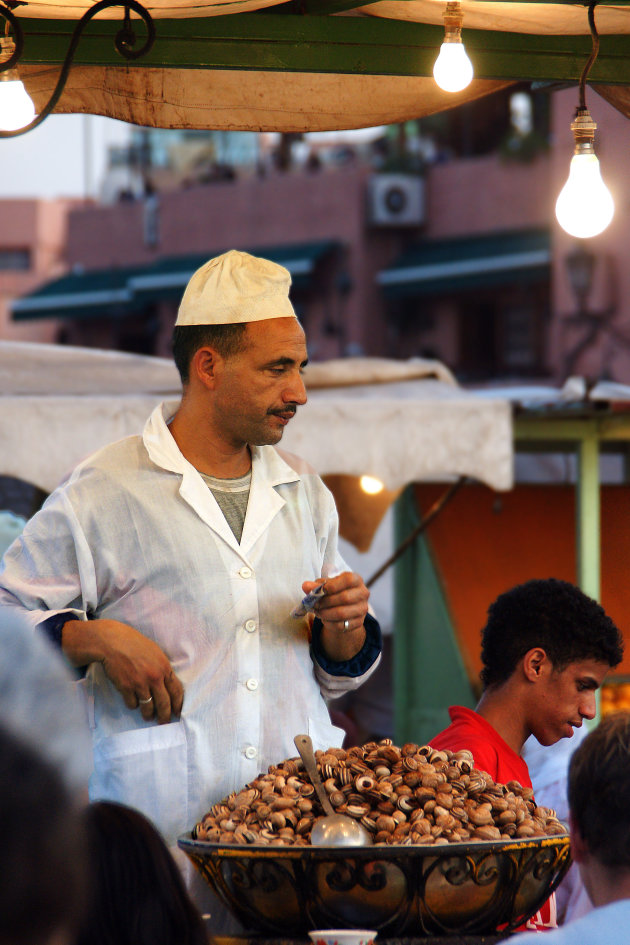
(578, 844)
(205, 366)
(536, 664)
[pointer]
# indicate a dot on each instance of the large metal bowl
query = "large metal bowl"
(474, 888)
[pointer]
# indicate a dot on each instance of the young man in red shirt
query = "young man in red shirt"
(546, 649)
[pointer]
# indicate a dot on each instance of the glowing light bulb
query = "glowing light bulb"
(584, 206)
(453, 69)
(371, 485)
(16, 105)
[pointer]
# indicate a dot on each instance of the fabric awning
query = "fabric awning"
(79, 295)
(501, 15)
(453, 265)
(115, 293)
(167, 278)
(265, 65)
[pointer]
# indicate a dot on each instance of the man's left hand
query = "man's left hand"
(342, 610)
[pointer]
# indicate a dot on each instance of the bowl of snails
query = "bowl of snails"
(452, 851)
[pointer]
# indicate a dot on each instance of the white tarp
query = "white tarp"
(411, 422)
(405, 431)
(28, 368)
(246, 100)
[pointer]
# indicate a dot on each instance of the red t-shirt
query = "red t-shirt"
(470, 730)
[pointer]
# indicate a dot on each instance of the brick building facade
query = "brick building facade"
(476, 276)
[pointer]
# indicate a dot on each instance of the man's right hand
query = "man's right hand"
(137, 666)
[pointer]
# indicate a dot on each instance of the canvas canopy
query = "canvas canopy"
(319, 65)
(505, 15)
(399, 421)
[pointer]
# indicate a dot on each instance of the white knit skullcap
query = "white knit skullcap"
(236, 287)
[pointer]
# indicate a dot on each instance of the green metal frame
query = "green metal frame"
(585, 436)
(319, 43)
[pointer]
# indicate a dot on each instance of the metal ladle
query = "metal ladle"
(331, 830)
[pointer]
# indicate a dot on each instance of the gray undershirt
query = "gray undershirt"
(232, 496)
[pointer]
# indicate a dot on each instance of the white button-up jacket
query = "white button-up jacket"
(135, 535)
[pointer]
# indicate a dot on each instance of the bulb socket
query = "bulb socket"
(7, 51)
(453, 20)
(583, 128)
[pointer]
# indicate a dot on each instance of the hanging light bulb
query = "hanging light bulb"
(453, 69)
(16, 105)
(585, 206)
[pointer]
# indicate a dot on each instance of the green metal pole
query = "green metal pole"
(588, 516)
(587, 507)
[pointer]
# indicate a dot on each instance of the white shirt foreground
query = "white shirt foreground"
(135, 535)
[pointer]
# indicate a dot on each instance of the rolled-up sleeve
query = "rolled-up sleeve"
(335, 678)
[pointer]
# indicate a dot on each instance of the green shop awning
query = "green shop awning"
(167, 278)
(115, 293)
(440, 267)
(80, 295)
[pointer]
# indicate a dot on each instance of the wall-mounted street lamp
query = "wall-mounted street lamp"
(581, 264)
(17, 112)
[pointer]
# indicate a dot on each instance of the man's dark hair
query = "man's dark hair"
(187, 339)
(599, 790)
(551, 614)
(42, 848)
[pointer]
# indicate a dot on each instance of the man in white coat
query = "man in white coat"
(168, 564)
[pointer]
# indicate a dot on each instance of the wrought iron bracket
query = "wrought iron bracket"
(124, 42)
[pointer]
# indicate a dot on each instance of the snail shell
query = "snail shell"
(487, 832)
(365, 784)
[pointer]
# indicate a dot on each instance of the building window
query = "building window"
(502, 332)
(15, 259)
(520, 337)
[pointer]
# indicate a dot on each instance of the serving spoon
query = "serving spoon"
(331, 830)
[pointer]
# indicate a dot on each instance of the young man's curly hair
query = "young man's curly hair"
(553, 615)
(599, 791)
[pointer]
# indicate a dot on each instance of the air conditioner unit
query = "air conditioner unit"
(395, 200)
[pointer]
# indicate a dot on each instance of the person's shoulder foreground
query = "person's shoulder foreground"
(603, 926)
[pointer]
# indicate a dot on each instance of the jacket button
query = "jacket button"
(252, 684)
(250, 625)
(245, 572)
(250, 752)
